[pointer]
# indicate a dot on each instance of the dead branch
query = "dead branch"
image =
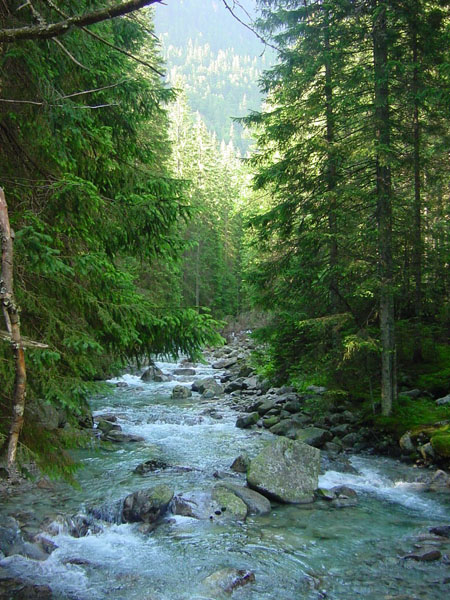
(42, 31)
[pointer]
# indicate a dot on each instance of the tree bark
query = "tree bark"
(384, 207)
(11, 314)
(331, 171)
(417, 205)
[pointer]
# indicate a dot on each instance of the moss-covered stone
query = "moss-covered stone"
(441, 443)
(232, 506)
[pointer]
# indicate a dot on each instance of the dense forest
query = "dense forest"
(138, 230)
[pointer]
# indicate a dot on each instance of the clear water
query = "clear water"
(295, 552)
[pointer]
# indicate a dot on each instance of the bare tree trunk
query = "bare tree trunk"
(384, 208)
(11, 314)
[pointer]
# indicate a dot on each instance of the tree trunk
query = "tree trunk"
(11, 314)
(384, 208)
(331, 172)
(417, 206)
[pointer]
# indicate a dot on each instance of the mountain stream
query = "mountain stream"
(296, 552)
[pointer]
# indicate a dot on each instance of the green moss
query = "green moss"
(412, 414)
(441, 442)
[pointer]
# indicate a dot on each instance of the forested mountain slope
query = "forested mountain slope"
(216, 60)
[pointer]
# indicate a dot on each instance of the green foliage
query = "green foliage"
(412, 414)
(314, 256)
(95, 208)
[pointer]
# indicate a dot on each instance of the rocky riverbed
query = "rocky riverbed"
(177, 502)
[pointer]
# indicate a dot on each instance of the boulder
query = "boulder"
(443, 401)
(240, 464)
(227, 580)
(106, 426)
(247, 420)
(256, 503)
(13, 587)
(180, 392)
(406, 443)
(351, 439)
(208, 383)
(293, 406)
(184, 371)
(146, 505)
(197, 505)
(412, 393)
(225, 363)
(267, 405)
(233, 386)
(150, 465)
(153, 373)
(231, 506)
(251, 383)
(286, 470)
(441, 530)
(270, 421)
(9, 535)
(316, 389)
(119, 437)
(313, 436)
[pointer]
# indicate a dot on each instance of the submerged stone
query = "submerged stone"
(228, 579)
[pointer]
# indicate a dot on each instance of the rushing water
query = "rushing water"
(295, 552)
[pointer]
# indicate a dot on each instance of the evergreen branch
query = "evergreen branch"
(103, 41)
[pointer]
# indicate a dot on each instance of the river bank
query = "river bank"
(378, 545)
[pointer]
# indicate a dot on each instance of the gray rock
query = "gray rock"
(341, 430)
(233, 386)
(267, 405)
(427, 452)
(293, 406)
(9, 535)
(412, 393)
(240, 464)
(227, 580)
(247, 420)
(270, 420)
(313, 436)
(351, 439)
(146, 505)
(106, 426)
(119, 437)
(286, 470)
(441, 530)
(256, 503)
(153, 373)
(208, 383)
(225, 363)
(333, 448)
(180, 392)
(251, 383)
(46, 415)
(197, 505)
(231, 506)
(315, 389)
(79, 526)
(184, 371)
(444, 400)
(406, 443)
(150, 465)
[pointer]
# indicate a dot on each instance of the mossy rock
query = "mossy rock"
(441, 443)
(232, 506)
